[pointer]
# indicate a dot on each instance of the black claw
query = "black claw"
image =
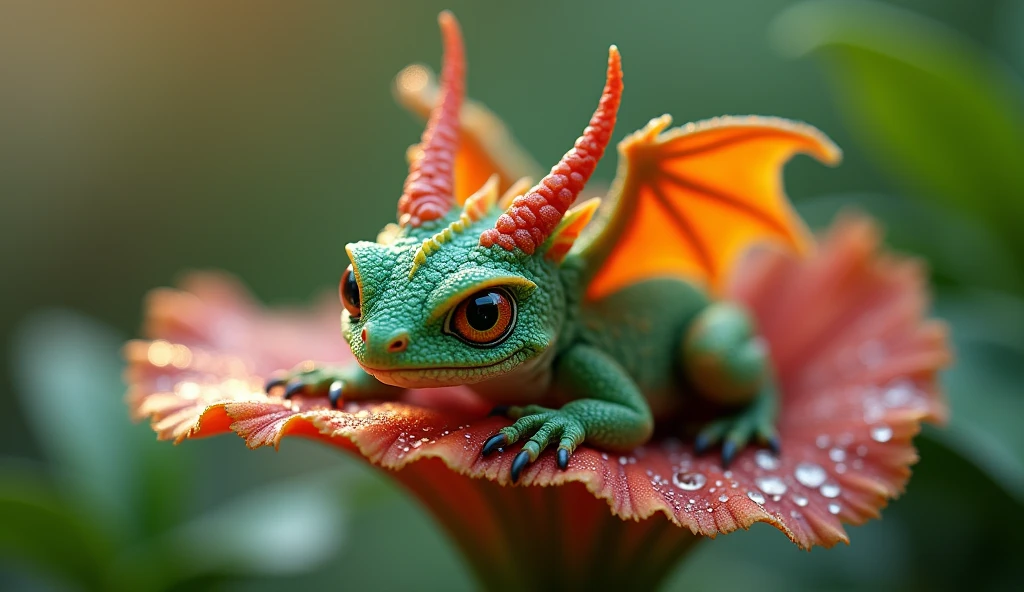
(522, 459)
(563, 458)
(701, 445)
(728, 453)
(494, 443)
(274, 382)
(334, 393)
(293, 388)
(499, 410)
(775, 445)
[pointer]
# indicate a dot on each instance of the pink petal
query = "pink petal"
(856, 359)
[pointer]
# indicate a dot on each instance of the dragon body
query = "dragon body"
(582, 322)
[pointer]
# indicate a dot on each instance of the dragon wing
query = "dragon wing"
(486, 147)
(689, 201)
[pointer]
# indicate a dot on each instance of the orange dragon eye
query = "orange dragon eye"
(484, 319)
(349, 292)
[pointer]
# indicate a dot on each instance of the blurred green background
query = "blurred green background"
(141, 139)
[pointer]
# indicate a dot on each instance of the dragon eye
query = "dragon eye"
(484, 319)
(349, 292)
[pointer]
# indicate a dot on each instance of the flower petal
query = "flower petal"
(856, 361)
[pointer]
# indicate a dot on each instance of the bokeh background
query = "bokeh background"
(142, 139)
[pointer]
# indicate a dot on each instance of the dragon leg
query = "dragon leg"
(728, 363)
(608, 412)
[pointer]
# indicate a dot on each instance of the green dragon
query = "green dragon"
(581, 324)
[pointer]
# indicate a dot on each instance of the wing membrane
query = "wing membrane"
(688, 202)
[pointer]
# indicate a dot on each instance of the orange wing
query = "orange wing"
(486, 146)
(688, 202)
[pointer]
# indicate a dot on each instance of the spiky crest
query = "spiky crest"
(477, 207)
(531, 218)
(429, 189)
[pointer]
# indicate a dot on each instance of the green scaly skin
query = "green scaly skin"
(570, 371)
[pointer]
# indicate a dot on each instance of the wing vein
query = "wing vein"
(725, 143)
(726, 199)
(685, 227)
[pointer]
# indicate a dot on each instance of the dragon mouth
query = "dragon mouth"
(437, 376)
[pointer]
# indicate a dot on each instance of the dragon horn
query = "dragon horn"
(532, 217)
(428, 192)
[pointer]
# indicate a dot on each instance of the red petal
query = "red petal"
(856, 361)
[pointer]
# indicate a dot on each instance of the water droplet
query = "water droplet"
(800, 500)
(840, 468)
(689, 481)
(468, 436)
(623, 460)
(766, 460)
(771, 485)
(810, 474)
(834, 508)
(830, 489)
(757, 497)
(822, 441)
(837, 455)
(795, 514)
(723, 498)
(862, 450)
(881, 433)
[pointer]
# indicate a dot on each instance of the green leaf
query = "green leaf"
(938, 113)
(40, 528)
(68, 368)
(984, 386)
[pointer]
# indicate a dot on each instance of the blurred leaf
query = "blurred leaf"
(957, 249)
(986, 384)
(39, 527)
(1009, 23)
(279, 529)
(936, 111)
(68, 371)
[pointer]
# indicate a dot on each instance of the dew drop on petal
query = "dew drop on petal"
(834, 508)
(881, 433)
(766, 460)
(689, 481)
(837, 455)
(822, 441)
(771, 485)
(723, 498)
(757, 497)
(810, 474)
(830, 489)
(800, 500)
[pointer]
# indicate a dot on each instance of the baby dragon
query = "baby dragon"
(581, 324)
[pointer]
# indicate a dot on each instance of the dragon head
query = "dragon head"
(462, 293)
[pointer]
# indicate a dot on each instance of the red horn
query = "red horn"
(429, 189)
(532, 217)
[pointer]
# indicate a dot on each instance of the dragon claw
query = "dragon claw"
(563, 458)
(728, 453)
(334, 393)
(294, 387)
(494, 443)
(736, 432)
(307, 380)
(519, 463)
(499, 411)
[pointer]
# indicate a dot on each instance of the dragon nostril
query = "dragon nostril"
(362, 335)
(398, 343)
